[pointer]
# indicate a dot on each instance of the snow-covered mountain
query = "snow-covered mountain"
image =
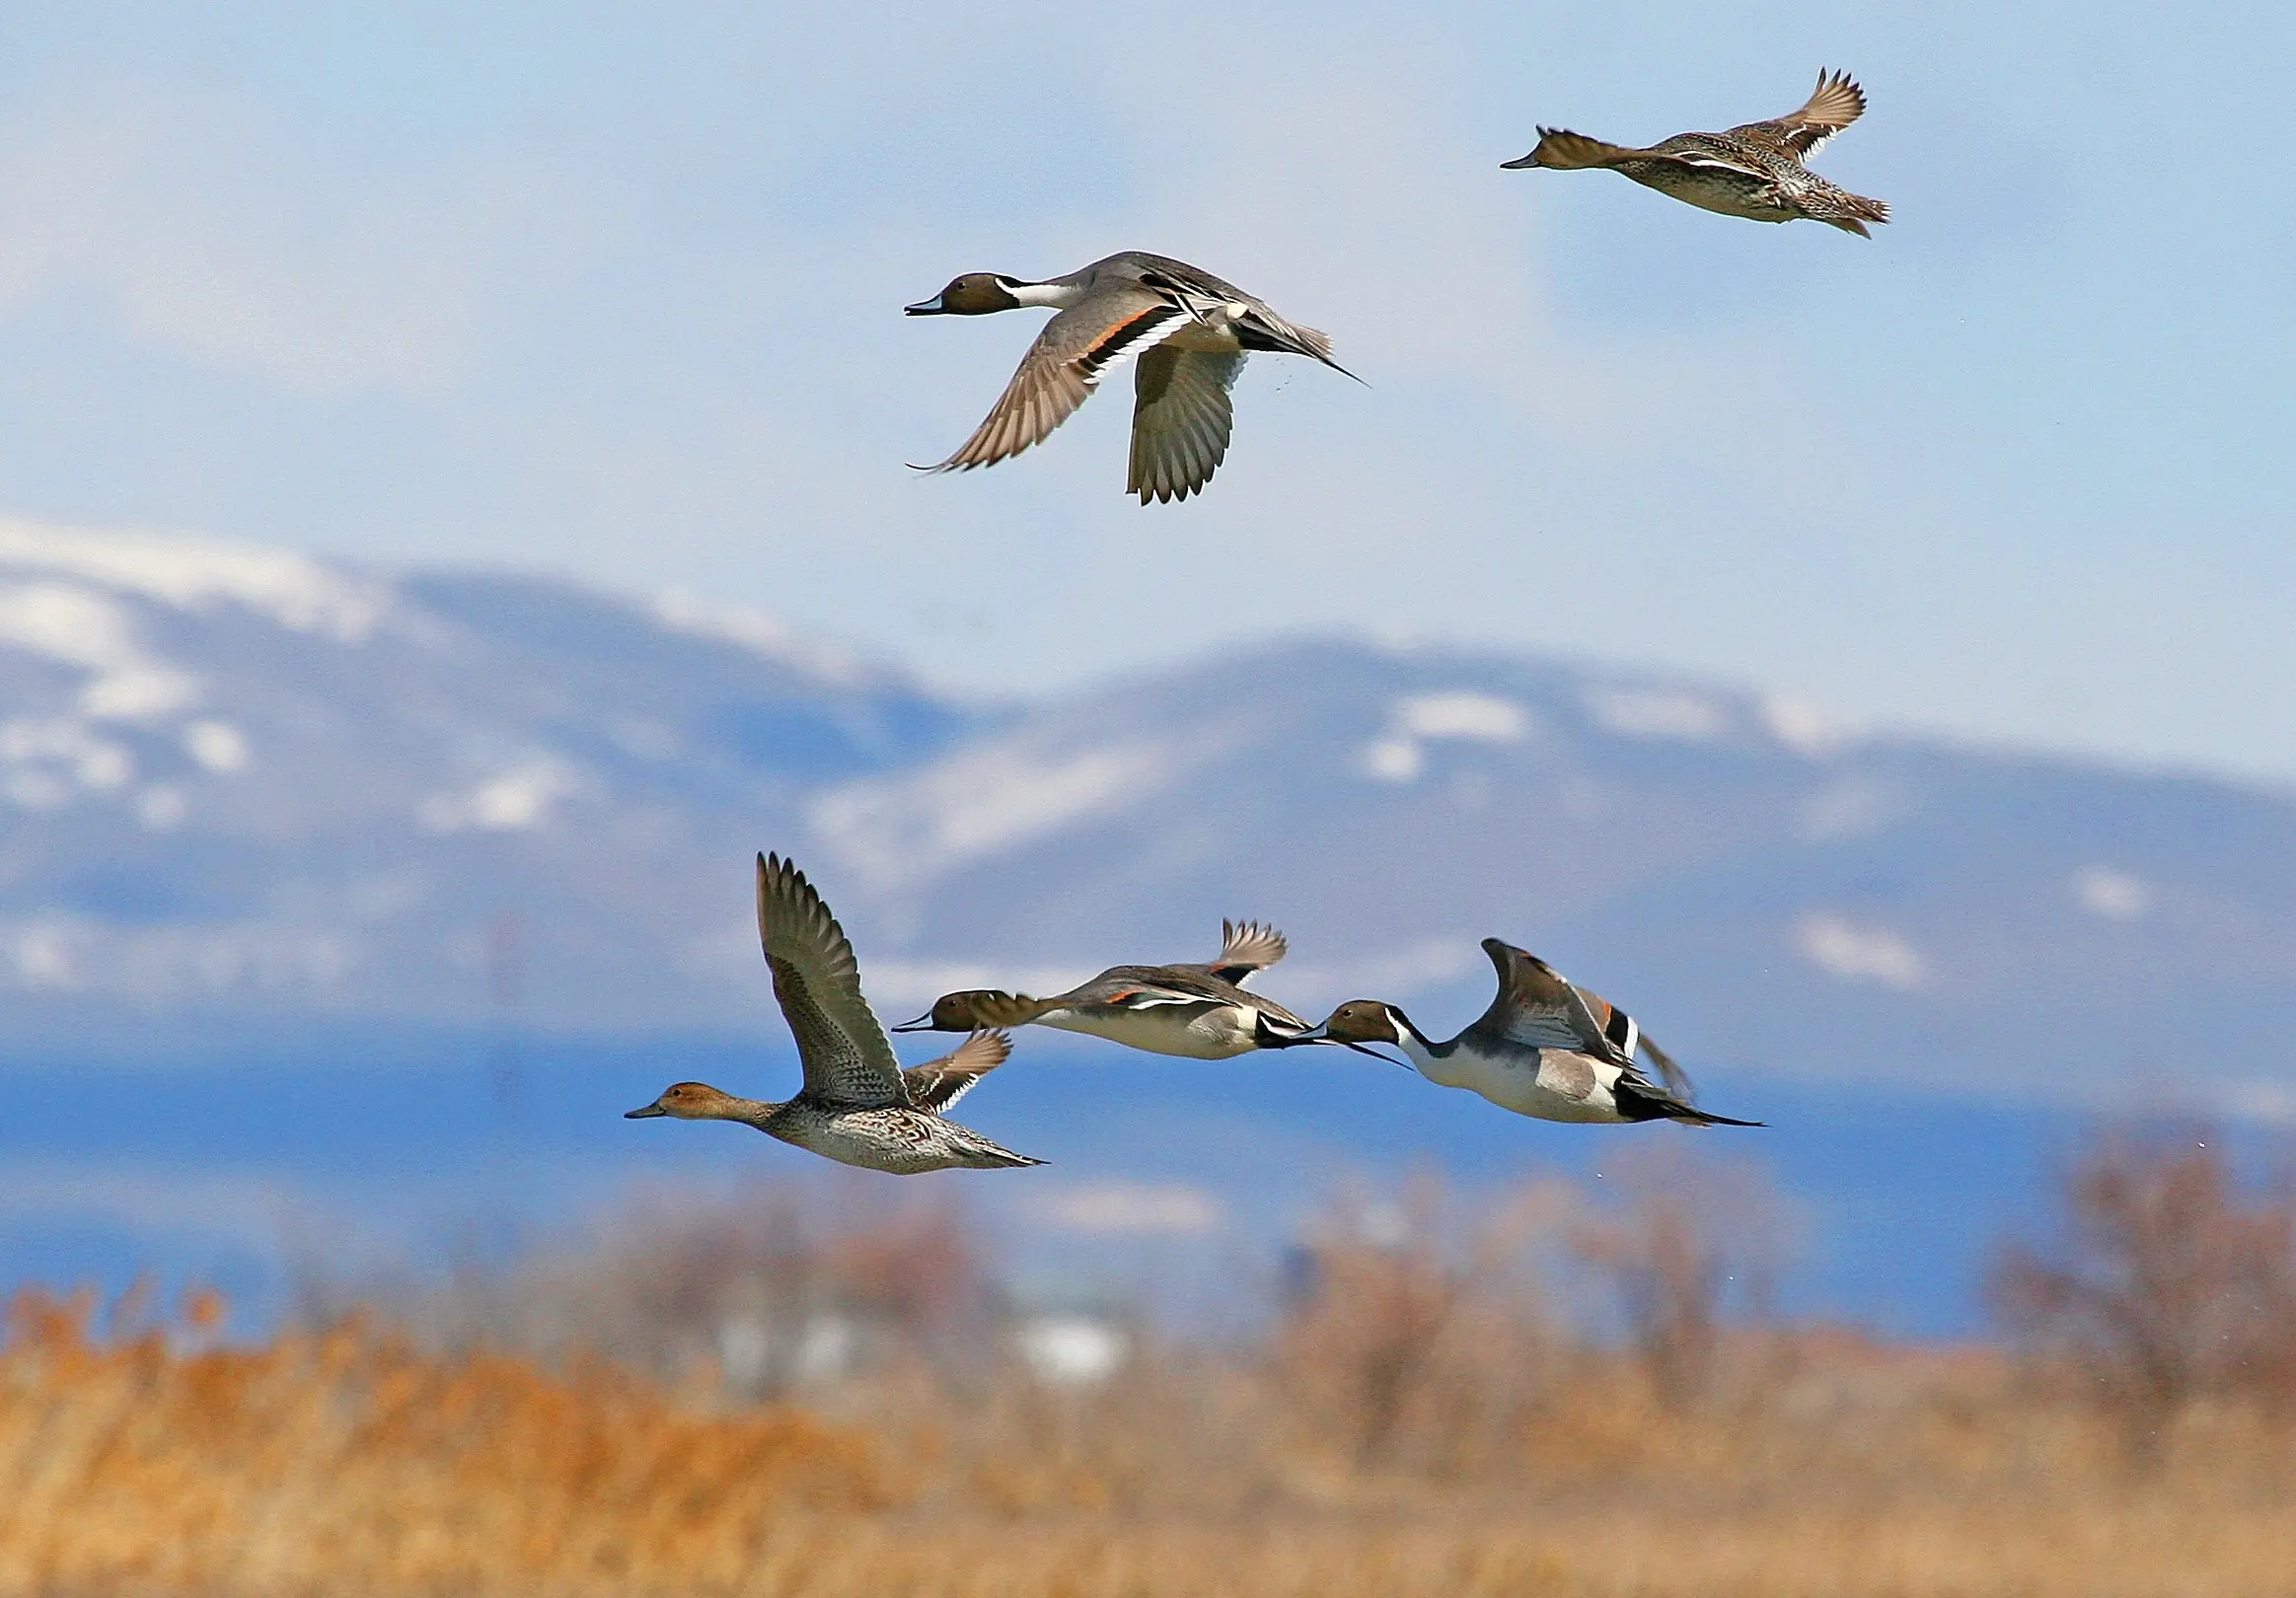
(239, 785)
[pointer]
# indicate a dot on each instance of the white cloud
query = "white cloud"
(1860, 951)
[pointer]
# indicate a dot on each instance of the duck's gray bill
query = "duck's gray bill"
(1530, 160)
(926, 308)
(1320, 1036)
(922, 1023)
(647, 1114)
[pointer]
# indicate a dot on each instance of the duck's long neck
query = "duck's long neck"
(749, 1112)
(1059, 295)
(1418, 1051)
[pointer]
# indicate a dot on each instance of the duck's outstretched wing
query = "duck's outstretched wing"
(938, 1083)
(1221, 303)
(1113, 324)
(847, 1060)
(1245, 947)
(1538, 1008)
(1181, 420)
(1832, 105)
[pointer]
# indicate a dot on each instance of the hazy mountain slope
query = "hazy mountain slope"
(247, 785)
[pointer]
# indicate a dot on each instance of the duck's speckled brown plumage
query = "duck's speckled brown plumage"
(857, 1107)
(1754, 169)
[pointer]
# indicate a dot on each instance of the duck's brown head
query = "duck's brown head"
(687, 1101)
(974, 294)
(1363, 1021)
(975, 1010)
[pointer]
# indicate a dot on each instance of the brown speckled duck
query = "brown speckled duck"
(1754, 169)
(857, 1107)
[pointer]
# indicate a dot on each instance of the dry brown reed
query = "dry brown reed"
(1419, 1421)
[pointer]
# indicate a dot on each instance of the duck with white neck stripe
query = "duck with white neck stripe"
(1545, 1048)
(1189, 331)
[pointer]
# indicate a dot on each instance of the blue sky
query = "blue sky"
(616, 291)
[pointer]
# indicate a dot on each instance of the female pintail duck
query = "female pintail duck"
(1198, 1012)
(1544, 1048)
(1189, 330)
(857, 1107)
(1753, 170)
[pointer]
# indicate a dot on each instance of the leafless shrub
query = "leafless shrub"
(1687, 1240)
(751, 1294)
(2169, 1284)
(1416, 1331)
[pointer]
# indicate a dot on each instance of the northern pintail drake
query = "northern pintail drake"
(1754, 169)
(1197, 1012)
(857, 1107)
(1188, 330)
(1545, 1047)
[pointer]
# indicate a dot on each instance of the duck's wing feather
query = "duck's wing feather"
(848, 1059)
(1146, 988)
(938, 1083)
(1676, 1080)
(1246, 947)
(1113, 324)
(1538, 1008)
(1837, 103)
(1209, 299)
(1181, 420)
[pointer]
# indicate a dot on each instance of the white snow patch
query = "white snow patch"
(1119, 1208)
(48, 761)
(293, 590)
(88, 630)
(1482, 718)
(508, 802)
(216, 745)
(907, 830)
(162, 807)
(2116, 896)
(1655, 713)
(1392, 759)
(1856, 951)
(760, 632)
(1420, 718)
(1805, 728)
(1852, 808)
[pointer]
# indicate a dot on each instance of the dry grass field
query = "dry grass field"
(1413, 1422)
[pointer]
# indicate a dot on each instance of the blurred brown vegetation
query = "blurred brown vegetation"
(784, 1396)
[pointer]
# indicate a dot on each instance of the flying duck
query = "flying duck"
(1197, 1012)
(1545, 1049)
(858, 1106)
(1188, 330)
(1754, 169)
